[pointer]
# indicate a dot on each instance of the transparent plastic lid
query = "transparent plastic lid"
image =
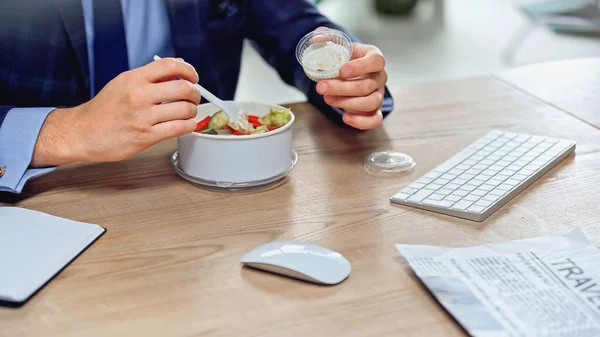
(323, 52)
(388, 162)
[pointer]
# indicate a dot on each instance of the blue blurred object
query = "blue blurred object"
(565, 16)
(561, 16)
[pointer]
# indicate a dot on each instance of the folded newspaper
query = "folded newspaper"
(546, 286)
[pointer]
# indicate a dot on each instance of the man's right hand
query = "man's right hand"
(126, 117)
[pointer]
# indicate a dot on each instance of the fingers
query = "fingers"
(368, 59)
(173, 128)
(368, 103)
(171, 111)
(363, 86)
(167, 69)
(363, 122)
(180, 90)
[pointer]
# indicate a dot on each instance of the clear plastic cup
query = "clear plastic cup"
(323, 52)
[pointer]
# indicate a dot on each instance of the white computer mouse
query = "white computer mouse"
(299, 260)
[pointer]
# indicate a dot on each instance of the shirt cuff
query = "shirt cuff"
(18, 136)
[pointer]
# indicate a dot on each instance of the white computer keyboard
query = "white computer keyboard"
(478, 180)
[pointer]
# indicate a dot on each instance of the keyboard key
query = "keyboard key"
(471, 198)
(479, 192)
(462, 205)
(480, 167)
(463, 167)
(441, 181)
(436, 196)
(519, 176)
(469, 187)
(453, 198)
(494, 156)
(473, 172)
(449, 176)
(487, 187)
(477, 157)
(491, 197)
(476, 182)
(402, 196)
(434, 186)
(494, 182)
(483, 203)
(497, 193)
(486, 162)
(467, 176)
(536, 151)
(421, 195)
(489, 172)
(522, 138)
(409, 190)
(456, 171)
(445, 191)
(512, 182)
(522, 162)
(505, 187)
(417, 185)
(433, 175)
(452, 186)
(501, 176)
(442, 203)
(475, 209)
(460, 193)
(470, 162)
(459, 181)
(526, 172)
(424, 180)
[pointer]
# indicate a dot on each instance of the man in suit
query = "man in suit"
(78, 84)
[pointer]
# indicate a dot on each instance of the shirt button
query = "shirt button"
(2, 170)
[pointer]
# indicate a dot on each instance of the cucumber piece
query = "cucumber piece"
(218, 120)
(210, 132)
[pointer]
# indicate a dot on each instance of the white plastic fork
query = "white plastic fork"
(231, 109)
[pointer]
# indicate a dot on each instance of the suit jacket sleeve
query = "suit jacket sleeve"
(275, 27)
(19, 130)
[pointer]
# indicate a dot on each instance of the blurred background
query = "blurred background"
(428, 40)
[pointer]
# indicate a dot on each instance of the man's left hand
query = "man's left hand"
(359, 89)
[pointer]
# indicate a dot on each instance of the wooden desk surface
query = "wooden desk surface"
(169, 263)
(572, 86)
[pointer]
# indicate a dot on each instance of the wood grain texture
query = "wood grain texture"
(169, 263)
(573, 85)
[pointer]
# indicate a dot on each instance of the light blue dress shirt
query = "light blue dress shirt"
(147, 33)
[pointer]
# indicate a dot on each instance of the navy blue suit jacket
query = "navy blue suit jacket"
(43, 53)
